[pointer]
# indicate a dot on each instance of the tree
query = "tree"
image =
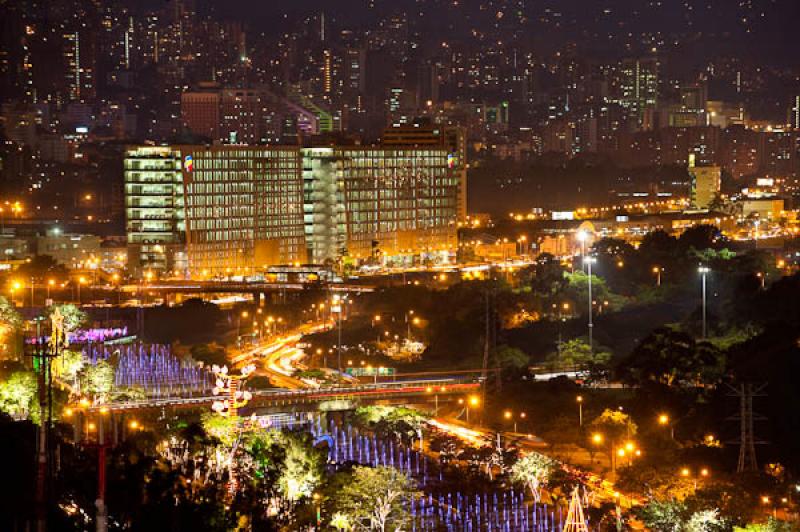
(303, 466)
(663, 516)
(98, 380)
(10, 323)
(700, 237)
(40, 266)
(614, 426)
(67, 365)
(672, 358)
(74, 317)
(376, 499)
(209, 354)
(772, 525)
(577, 290)
(533, 471)
(18, 396)
(339, 521)
(510, 359)
(547, 276)
(8, 315)
(391, 421)
(576, 353)
(223, 428)
(704, 521)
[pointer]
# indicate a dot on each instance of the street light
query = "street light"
(664, 421)
(582, 236)
(579, 399)
(703, 271)
(702, 473)
(657, 270)
(473, 401)
(589, 261)
(81, 280)
(509, 415)
(50, 284)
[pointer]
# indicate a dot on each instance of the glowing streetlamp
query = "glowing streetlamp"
(703, 271)
(579, 400)
(589, 261)
(473, 401)
(657, 270)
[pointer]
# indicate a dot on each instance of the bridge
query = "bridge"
(240, 287)
(295, 398)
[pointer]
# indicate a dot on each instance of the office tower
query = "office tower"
(154, 209)
(794, 113)
(706, 183)
(234, 210)
(80, 61)
(638, 85)
(200, 113)
(244, 208)
(453, 138)
(381, 204)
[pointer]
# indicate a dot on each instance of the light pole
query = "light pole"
(509, 416)
(703, 270)
(471, 401)
(582, 236)
(336, 307)
(657, 270)
(579, 399)
(664, 421)
(702, 473)
(430, 389)
(81, 280)
(377, 319)
(589, 261)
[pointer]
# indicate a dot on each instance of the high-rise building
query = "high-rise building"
(200, 113)
(453, 138)
(236, 209)
(80, 60)
(638, 85)
(794, 113)
(384, 204)
(154, 209)
(706, 183)
(244, 207)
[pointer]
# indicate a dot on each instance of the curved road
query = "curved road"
(280, 357)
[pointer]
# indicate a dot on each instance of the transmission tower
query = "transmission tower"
(747, 440)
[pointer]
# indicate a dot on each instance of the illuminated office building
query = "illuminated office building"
(706, 183)
(238, 209)
(244, 208)
(154, 209)
(380, 204)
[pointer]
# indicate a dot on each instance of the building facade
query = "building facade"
(244, 208)
(706, 184)
(155, 217)
(236, 210)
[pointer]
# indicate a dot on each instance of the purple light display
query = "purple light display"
(152, 368)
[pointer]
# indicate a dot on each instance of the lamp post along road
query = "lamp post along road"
(589, 261)
(703, 270)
